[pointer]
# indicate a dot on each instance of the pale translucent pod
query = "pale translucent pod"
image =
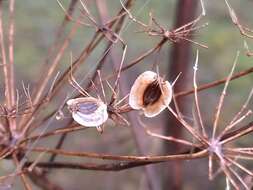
(150, 93)
(88, 111)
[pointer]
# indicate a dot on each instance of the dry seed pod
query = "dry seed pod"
(150, 93)
(88, 111)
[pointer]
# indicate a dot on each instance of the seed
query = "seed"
(152, 93)
(87, 107)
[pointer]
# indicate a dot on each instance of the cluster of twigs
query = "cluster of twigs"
(21, 118)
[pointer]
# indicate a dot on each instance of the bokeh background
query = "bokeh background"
(36, 26)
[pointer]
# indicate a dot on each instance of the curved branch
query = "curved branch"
(215, 83)
(187, 156)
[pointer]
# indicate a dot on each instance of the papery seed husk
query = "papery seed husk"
(154, 105)
(88, 111)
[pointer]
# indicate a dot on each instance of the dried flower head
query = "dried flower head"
(88, 111)
(150, 93)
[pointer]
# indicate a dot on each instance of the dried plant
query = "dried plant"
(24, 121)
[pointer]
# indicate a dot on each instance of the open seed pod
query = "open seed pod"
(88, 111)
(150, 93)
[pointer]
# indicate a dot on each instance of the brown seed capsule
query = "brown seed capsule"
(88, 111)
(150, 93)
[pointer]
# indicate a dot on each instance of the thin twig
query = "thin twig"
(221, 100)
(196, 155)
(215, 83)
